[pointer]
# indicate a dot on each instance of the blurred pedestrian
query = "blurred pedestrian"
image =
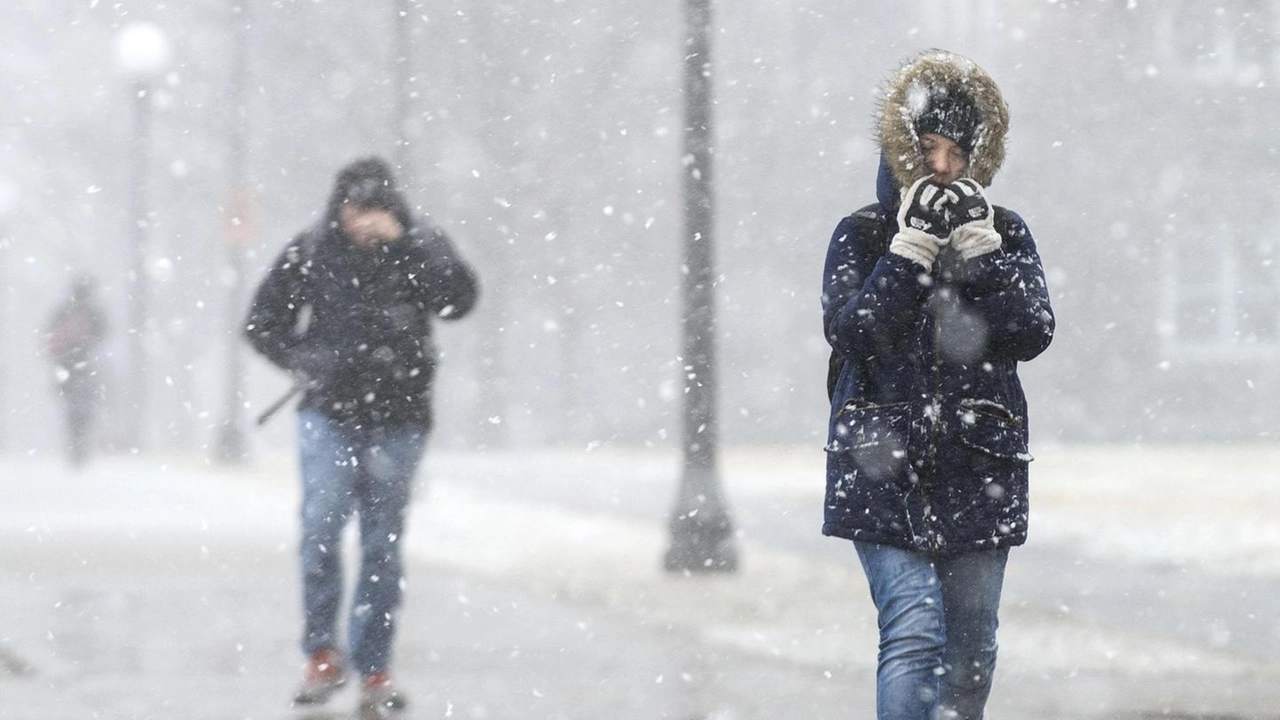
(347, 308)
(931, 297)
(73, 339)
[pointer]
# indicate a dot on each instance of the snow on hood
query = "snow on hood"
(906, 94)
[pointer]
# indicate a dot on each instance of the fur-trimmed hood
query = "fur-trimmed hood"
(907, 94)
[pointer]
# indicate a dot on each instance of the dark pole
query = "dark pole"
(231, 446)
(140, 146)
(5, 249)
(8, 205)
(400, 77)
(701, 530)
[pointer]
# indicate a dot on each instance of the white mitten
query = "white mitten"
(974, 233)
(922, 223)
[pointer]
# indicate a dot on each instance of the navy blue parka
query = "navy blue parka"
(928, 431)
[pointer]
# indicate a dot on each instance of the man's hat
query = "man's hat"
(367, 183)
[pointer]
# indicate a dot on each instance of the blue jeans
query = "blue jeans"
(369, 472)
(937, 619)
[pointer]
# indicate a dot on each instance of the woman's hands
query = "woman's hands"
(932, 215)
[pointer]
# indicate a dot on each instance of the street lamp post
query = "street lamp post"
(232, 446)
(8, 202)
(401, 75)
(142, 51)
(701, 531)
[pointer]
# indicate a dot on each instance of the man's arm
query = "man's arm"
(271, 325)
(446, 285)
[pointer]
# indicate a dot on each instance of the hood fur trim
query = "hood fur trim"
(905, 95)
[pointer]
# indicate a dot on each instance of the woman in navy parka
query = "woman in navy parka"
(931, 297)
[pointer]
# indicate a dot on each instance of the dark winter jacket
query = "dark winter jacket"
(76, 330)
(927, 435)
(355, 324)
(73, 343)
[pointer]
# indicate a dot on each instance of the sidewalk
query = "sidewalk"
(173, 626)
(139, 590)
(149, 592)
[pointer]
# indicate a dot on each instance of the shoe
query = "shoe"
(324, 675)
(377, 692)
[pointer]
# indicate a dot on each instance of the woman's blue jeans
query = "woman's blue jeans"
(938, 619)
(369, 472)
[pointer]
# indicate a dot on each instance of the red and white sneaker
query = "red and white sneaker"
(377, 692)
(324, 675)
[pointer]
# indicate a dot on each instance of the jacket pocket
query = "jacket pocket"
(862, 424)
(992, 429)
(873, 436)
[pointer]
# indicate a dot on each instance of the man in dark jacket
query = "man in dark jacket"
(931, 297)
(347, 308)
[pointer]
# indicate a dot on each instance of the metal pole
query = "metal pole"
(401, 78)
(701, 530)
(5, 249)
(140, 146)
(232, 447)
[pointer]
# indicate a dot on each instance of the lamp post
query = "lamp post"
(401, 77)
(701, 531)
(8, 202)
(238, 230)
(141, 51)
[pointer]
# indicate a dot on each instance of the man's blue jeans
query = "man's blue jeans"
(937, 619)
(369, 472)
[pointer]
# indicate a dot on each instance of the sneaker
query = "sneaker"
(377, 692)
(325, 673)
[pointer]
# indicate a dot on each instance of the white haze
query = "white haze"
(545, 137)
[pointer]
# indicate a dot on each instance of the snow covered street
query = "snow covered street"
(631, 275)
(150, 588)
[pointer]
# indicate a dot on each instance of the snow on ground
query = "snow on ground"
(1210, 506)
(1213, 506)
(785, 604)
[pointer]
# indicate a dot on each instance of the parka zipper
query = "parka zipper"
(934, 417)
